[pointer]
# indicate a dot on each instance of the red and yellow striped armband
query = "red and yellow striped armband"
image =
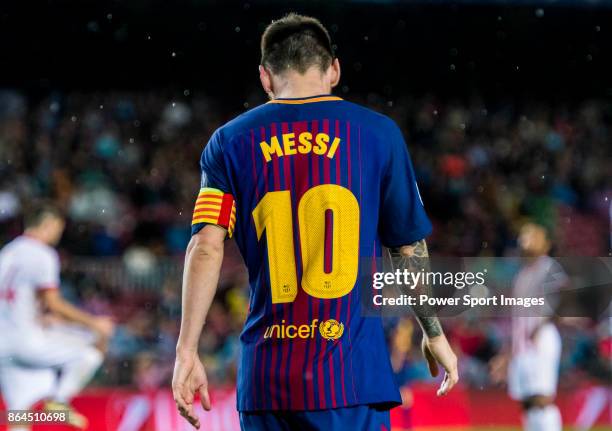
(215, 207)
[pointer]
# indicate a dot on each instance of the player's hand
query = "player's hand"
(103, 326)
(437, 351)
(189, 378)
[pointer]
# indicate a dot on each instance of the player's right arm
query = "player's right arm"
(54, 302)
(435, 346)
(403, 225)
(47, 281)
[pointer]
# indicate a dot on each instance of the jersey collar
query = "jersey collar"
(302, 100)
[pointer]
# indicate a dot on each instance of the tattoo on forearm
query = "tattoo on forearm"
(415, 258)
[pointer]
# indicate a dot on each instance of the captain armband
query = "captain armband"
(215, 207)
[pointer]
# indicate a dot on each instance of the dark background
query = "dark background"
(453, 48)
(506, 108)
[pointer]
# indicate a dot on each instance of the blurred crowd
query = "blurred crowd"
(125, 166)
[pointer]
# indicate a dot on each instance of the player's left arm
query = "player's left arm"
(203, 261)
(213, 220)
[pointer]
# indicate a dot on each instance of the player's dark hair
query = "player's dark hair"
(296, 42)
(35, 212)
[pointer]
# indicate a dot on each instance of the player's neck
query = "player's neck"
(295, 86)
(301, 94)
(35, 235)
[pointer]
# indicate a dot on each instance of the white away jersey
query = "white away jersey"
(26, 266)
(542, 277)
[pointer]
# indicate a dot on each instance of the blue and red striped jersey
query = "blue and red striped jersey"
(310, 188)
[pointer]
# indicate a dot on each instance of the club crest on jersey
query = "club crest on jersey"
(331, 329)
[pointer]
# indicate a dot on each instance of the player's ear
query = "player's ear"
(266, 81)
(335, 72)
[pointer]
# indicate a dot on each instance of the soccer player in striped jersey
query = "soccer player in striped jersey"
(308, 185)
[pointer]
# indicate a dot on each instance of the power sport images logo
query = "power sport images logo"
(329, 329)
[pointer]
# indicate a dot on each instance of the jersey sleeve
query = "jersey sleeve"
(47, 274)
(553, 284)
(215, 203)
(402, 218)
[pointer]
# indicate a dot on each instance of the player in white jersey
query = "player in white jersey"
(37, 360)
(532, 363)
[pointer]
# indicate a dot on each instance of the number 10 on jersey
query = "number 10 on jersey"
(273, 215)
